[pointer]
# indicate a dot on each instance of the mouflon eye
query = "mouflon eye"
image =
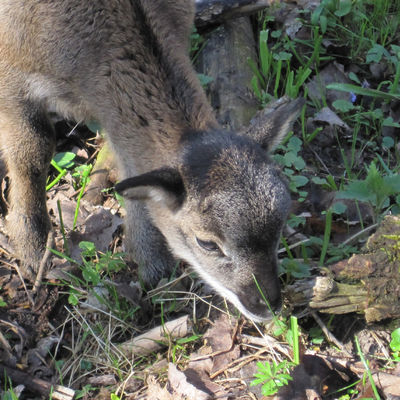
(208, 245)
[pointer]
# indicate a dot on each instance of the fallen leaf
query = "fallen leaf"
(330, 117)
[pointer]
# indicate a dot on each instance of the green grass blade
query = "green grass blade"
(295, 332)
(367, 369)
(327, 234)
(348, 87)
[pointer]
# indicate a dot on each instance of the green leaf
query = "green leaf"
(338, 208)
(387, 142)
(299, 180)
(323, 23)
(276, 34)
(344, 8)
(93, 126)
(64, 159)
(282, 56)
(395, 342)
(348, 87)
(88, 249)
(264, 53)
(356, 190)
(294, 144)
(204, 79)
(73, 298)
(299, 163)
(292, 159)
(91, 275)
(319, 181)
(389, 122)
(316, 14)
(375, 53)
(343, 105)
(392, 184)
(354, 77)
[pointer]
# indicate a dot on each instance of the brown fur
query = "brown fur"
(123, 64)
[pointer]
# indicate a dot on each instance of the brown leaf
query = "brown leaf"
(219, 337)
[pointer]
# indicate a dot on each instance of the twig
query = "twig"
(43, 263)
(152, 340)
(32, 303)
(330, 337)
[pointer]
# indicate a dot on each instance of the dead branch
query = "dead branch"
(367, 283)
(37, 385)
(153, 340)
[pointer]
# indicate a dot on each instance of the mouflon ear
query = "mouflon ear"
(271, 125)
(164, 185)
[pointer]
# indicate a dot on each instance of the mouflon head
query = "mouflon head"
(222, 209)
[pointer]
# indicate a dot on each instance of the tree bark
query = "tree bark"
(216, 11)
(367, 283)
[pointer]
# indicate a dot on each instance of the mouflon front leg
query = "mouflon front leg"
(27, 145)
(146, 245)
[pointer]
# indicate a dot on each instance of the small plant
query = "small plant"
(97, 270)
(82, 176)
(395, 344)
(293, 164)
(178, 347)
(272, 376)
(376, 189)
(84, 392)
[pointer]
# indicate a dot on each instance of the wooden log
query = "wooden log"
(37, 385)
(216, 11)
(224, 59)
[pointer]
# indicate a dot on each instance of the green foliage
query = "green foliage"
(293, 164)
(376, 189)
(274, 77)
(84, 392)
(293, 268)
(196, 44)
(395, 344)
(205, 79)
(97, 270)
(179, 347)
(61, 162)
(272, 376)
(65, 159)
(82, 176)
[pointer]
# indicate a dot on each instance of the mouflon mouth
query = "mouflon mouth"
(255, 308)
(250, 302)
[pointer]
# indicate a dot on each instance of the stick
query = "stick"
(37, 385)
(153, 340)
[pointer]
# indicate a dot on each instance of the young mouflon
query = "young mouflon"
(193, 191)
